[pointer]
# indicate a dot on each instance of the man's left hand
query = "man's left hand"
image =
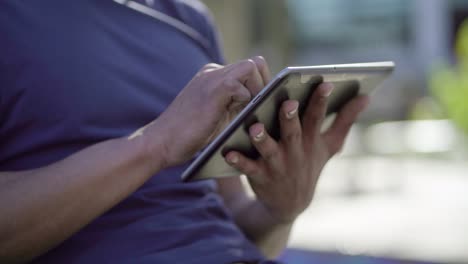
(285, 176)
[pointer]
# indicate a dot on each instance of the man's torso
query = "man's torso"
(76, 73)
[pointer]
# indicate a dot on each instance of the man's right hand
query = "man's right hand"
(204, 107)
(44, 206)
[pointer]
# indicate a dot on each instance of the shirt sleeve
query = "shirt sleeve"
(199, 17)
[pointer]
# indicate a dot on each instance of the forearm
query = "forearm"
(251, 216)
(42, 207)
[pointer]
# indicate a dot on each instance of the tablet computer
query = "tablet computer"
(296, 83)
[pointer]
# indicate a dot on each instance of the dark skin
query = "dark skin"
(44, 206)
(292, 165)
(285, 177)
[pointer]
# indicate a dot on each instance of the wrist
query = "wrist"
(272, 218)
(152, 148)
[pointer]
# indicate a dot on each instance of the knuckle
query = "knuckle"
(269, 154)
(204, 74)
(249, 65)
(318, 110)
(207, 72)
(230, 83)
(209, 67)
(260, 61)
(317, 104)
(293, 136)
(316, 117)
(231, 86)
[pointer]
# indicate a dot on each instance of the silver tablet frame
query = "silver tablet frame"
(364, 77)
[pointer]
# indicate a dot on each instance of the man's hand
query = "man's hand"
(285, 177)
(205, 106)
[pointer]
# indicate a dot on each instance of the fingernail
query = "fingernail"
(291, 114)
(259, 136)
(326, 90)
(233, 159)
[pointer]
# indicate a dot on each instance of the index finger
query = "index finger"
(248, 74)
(263, 68)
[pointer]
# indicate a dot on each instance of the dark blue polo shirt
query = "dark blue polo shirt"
(74, 73)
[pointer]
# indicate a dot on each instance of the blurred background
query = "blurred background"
(398, 193)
